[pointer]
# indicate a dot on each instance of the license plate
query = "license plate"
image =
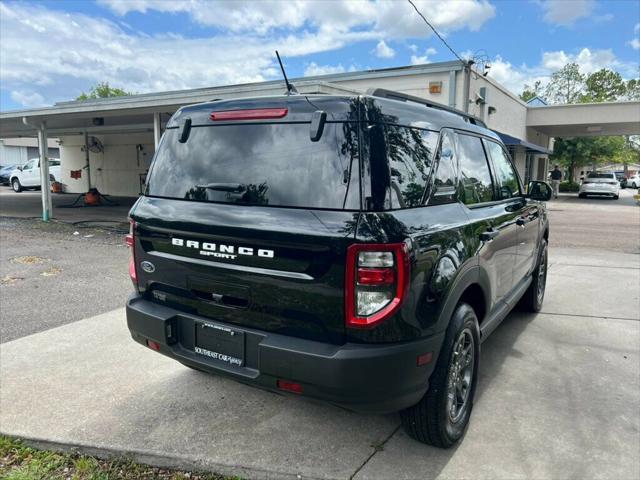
(220, 343)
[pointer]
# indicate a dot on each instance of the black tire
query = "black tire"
(534, 296)
(616, 197)
(430, 421)
(582, 195)
(633, 185)
(15, 184)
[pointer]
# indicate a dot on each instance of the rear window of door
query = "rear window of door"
(475, 182)
(444, 179)
(505, 173)
(260, 164)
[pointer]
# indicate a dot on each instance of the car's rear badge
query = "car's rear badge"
(220, 250)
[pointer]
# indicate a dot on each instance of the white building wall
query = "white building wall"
(12, 155)
(510, 116)
(417, 85)
(115, 171)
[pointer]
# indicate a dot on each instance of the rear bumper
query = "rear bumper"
(361, 377)
(603, 190)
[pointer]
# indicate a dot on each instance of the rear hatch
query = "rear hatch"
(246, 219)
(600, 179)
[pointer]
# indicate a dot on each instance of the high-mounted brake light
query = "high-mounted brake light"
(130, 240)
(253, 114)
(377, 278)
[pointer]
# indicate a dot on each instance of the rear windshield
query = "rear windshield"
(600, 175)
(260, 164)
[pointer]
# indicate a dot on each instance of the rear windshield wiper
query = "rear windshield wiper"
(225, 187)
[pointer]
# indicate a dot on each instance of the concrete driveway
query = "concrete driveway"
(559, 392)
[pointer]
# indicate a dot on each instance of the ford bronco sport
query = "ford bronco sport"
(352, 249)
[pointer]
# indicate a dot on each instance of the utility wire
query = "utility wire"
(436, 32)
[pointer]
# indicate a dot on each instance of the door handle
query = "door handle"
(489, 235)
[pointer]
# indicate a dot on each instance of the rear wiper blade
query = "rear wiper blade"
(225, 187)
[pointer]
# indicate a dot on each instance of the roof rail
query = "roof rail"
(403, 97)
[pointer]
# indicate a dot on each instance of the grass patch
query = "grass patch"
(20, 462)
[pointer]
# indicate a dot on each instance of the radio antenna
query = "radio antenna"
(290, 88)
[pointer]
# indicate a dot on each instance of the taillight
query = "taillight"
(377, 278)
(130, 240)
(253, 114)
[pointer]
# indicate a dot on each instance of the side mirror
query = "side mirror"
(20, 168)
(539, 191)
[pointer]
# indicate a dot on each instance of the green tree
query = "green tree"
(633, 89)
(576, 152)
(604, 86)
(103, 90)
(530, 92)
(567, 85)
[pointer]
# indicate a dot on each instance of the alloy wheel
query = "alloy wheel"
(460, 375)
(542, 275)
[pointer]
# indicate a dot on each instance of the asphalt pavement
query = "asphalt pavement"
(53, 273)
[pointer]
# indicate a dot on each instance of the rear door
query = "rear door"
(527, 211)
(493, 221)
(248, 222)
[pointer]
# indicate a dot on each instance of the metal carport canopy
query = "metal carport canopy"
(131, 114)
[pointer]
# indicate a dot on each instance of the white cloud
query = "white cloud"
(635, 43)
(389, 18)
(28, 99)
(58, 54)
(413, 48)
(419, 60)
(566, 12)
(383, 50)
(636, 29)
(514, 77)
(314, 69)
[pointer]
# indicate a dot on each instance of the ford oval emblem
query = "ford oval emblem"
(148, 266)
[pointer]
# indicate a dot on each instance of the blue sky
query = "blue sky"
(53, 50)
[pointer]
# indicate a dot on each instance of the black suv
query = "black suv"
(353, 249)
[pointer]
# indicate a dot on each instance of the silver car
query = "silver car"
(600, 183)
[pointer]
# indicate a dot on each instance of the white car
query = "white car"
(633, 181)
(600, 183)
(28, 176)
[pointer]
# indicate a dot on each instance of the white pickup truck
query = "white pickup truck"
(28, 176)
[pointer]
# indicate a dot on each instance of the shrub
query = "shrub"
(569, 186)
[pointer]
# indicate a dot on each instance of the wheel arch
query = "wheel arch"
(472, 288)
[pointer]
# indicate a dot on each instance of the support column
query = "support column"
(45, 183)
(156, 130)
(452, 89)
(87, 159)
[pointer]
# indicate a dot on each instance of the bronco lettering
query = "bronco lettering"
(220, 250)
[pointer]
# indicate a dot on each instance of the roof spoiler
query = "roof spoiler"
(403, 97)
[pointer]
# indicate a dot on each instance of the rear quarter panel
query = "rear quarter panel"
(442, 258)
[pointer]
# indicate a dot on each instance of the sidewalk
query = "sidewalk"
(558, 397)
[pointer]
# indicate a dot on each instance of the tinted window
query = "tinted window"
(601, 175)
(410, 152)
(506, 175)
(264, 164)
(475, 176)
(29, 164)
(444, 181)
